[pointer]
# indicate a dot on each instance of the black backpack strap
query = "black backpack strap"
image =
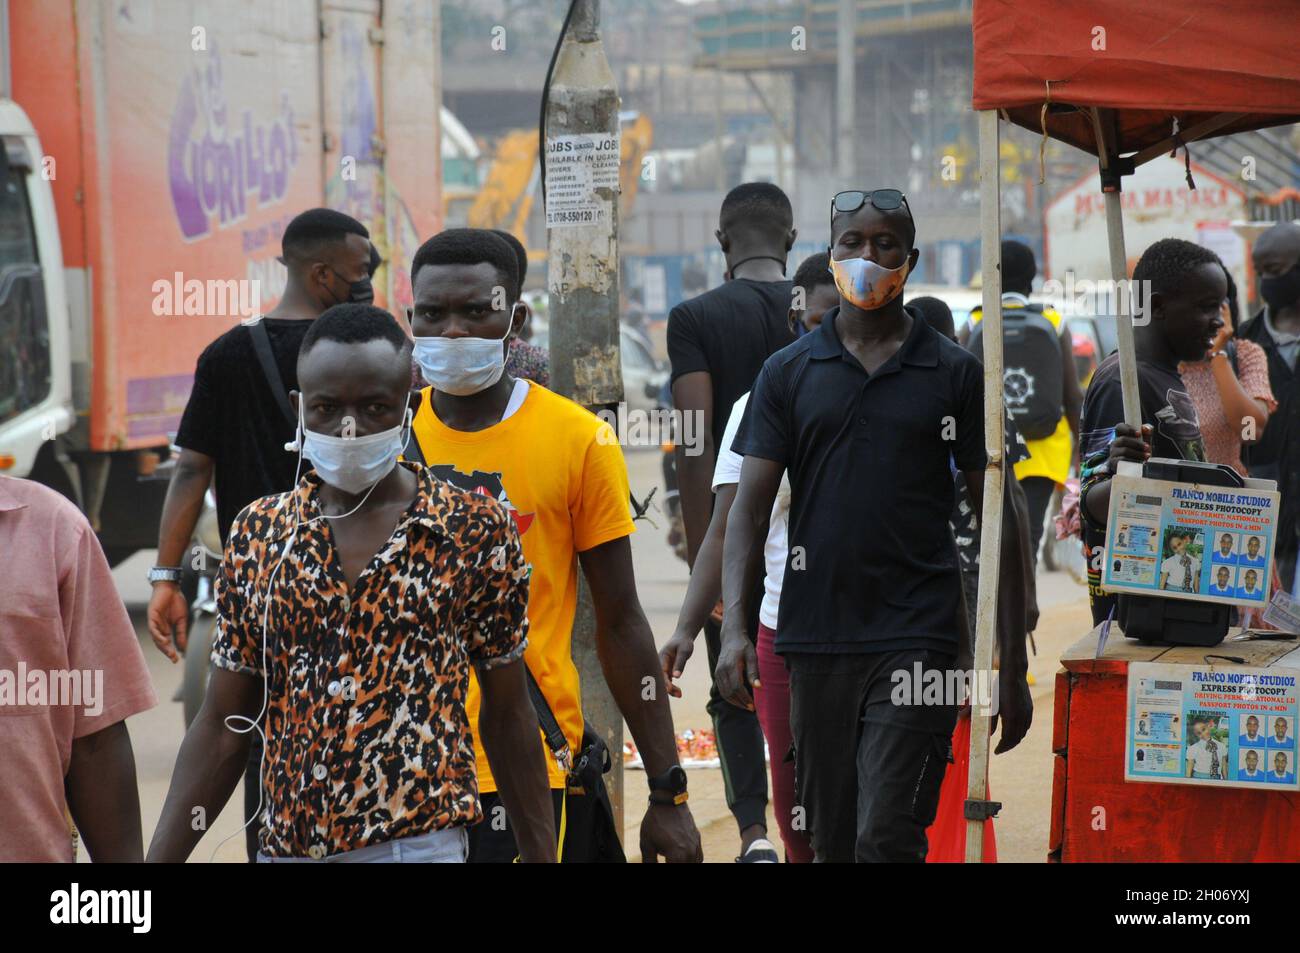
(266, 357)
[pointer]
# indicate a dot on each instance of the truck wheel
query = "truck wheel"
(194, 684)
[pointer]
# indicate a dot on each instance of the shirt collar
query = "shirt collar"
(429, 508)
(1280, 338)
(7, 500)
(920, 347)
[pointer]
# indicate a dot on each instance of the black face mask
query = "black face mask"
(1281, 291)
(360, 291)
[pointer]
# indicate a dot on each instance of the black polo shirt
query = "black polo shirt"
(872, 565)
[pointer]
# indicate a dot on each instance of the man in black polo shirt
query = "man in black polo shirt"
(864, 414)
(716, 344)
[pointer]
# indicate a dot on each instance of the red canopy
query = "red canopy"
(1219, 66)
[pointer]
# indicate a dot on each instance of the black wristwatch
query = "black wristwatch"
(669, 787)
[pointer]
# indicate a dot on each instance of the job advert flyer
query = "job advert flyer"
(1226, 727)
(1190, 541)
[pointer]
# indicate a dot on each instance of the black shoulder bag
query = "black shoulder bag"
(590, 835)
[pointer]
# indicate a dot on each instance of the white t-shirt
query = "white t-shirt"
(727, 471)
(1203, 761)
(1174, 567)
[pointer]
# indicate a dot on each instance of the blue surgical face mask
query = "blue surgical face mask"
(354, 464)
(461, 366)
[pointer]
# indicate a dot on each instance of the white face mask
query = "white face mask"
(462, 366)
(354, 464)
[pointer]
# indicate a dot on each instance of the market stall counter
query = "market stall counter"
(1176, 754)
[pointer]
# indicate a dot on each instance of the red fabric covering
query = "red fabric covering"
(1163, 58)
(947, 835)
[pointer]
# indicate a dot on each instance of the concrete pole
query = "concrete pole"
(844, 99)
(582, 278)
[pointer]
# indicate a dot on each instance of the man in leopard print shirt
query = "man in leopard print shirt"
(350, 612)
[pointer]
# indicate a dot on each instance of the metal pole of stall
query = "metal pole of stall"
(994, 442)
(1128, 375)
(1111, 168)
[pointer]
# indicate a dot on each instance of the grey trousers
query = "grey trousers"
(448, 846)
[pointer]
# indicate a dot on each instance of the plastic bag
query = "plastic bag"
(947, 835)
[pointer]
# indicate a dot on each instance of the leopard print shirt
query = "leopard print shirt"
(367, 736)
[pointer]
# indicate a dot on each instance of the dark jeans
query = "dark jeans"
(1038, 495)
(867, 771)
(740, 746)
(252, 797)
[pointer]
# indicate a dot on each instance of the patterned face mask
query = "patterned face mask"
(867, 285)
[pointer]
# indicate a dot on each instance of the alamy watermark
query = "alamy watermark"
(1085, 297)
(216, 297)
(945, 687)
(53, 688)
(633, 427)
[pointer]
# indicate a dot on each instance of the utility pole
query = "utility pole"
(581, 153)
(846, 50)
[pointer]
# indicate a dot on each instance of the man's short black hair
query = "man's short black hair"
(351, 323)
(1168, 262)
(759, 208)
(470, 246)
(311, 230)
(1018, 267)
(521, 256)
(813, 271)
(936, 313)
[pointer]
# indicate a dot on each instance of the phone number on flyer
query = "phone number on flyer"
(582, 216)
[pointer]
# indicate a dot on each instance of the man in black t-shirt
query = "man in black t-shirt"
(233, 427)
(716, 344)
(1183, 285)
(865, 415)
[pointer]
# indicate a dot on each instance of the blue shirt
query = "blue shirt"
(1242, 775)
(1285, 744)
(1256, 593)
(1281, 778)
(1228, 560)
(1243, 741)
(1244, 560)
(1225, 591)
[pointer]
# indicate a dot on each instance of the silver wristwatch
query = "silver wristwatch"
(165, 574)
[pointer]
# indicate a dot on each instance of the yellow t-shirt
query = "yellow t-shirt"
(1048, 456)
(560, 471)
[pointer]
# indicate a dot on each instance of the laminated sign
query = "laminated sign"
(1218, 727)
(1190, 540)
(576, 166)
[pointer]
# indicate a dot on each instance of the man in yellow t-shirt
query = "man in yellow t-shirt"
(1049, 457)
(560, 472)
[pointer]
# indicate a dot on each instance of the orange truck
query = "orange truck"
(153, 152)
